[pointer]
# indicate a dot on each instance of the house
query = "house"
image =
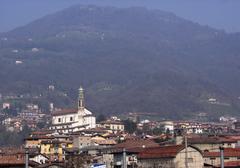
(54, 149)
(39, 158)
(212, 143)
(91, 132)
(190, 127)
(230, 164)
(6, 105)
(35, 141)
(103, 142)
(112, 125)
(136, 143)
(230, 155)
(14, 158)
(170, 156)
(130, 158)
(131, 147)
(73, 120)
(82, 141)
(168, 126)
(50, 146)
(13, 124)
(236, 126)
(35, 138)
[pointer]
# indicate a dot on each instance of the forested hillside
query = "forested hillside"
(128, 60)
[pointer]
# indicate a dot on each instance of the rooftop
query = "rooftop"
(64, 112)
(228, 152)
(135, 143)
(161, 152)
(210, 139)
(111, 122)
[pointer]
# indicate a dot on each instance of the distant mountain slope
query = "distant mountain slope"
(130, 59)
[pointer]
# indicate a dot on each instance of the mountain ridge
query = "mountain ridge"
(153, 61)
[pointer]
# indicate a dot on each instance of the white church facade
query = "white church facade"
(73, 120)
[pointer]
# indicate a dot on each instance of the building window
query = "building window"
(59, 119)
(71, 118)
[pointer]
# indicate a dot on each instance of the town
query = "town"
(74, 138)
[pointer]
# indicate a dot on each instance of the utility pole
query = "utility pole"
(186, 150)
(124, 161)
(222, 156)
(26, 157)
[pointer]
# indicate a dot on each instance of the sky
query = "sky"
(220, 14)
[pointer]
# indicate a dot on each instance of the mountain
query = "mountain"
(128, 59)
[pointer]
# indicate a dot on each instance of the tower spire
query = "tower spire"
(80, 98)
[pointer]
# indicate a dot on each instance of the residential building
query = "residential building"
(212, 143)
(131, 147)
(230, 155)
(170, 156)
(14, 158)
(112, 125)
(81, 141)
(54, 149)
(168, 126)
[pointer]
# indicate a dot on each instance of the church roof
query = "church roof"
(64, 112)
(71, 111)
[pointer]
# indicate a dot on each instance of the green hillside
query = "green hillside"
(128, 60)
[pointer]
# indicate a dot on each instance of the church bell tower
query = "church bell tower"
(80, 99)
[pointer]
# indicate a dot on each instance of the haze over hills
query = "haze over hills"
(220, 14)
(129, 60)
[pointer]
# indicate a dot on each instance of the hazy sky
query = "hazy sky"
(221, 14)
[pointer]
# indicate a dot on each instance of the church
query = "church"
(73, 120)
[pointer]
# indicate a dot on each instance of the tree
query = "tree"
(101, 117)
(157, 131)
(130, 126)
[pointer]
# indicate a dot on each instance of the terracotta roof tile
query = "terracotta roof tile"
(105, 142)
(228, 152)
(161, 152)
(212, 140)
(64, 112)
(135, 143)
(234, 164)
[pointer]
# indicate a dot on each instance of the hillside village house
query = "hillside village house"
(80, 141)
(212, 143)
(230, 155)
(54, 149)
(145, 153)
(132, 148)
(170, 156)
(73, 120)
(111, 125)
